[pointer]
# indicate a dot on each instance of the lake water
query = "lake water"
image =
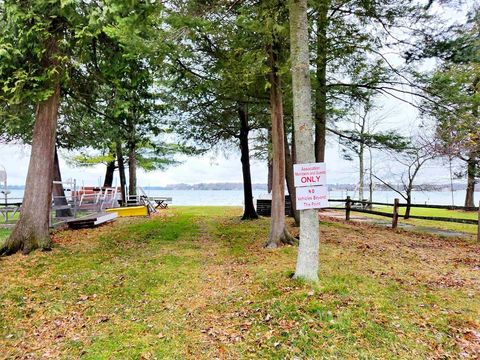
(235, 197)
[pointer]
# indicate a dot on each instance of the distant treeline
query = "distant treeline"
(331, 187)
(420, 187)
(206, 186)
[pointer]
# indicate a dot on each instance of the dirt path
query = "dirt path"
(224, 281)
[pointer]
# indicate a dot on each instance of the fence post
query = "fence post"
(396, 204)
(348, 206)
(478, 226)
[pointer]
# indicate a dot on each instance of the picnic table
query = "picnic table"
(6, 208)
(161, 202)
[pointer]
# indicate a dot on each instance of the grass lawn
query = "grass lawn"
(11, 217)
(3, 235)
(468, 228)
(195, 283)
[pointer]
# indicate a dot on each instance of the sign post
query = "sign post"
(311, 185)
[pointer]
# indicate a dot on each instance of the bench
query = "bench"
(161, 201)
(264, 207)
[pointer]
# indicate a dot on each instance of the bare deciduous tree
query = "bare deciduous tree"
(411, 160)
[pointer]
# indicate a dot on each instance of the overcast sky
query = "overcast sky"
(217, 168)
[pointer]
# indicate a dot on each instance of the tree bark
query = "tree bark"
(409, 202)
(308, 251)
(121, 172)
(32, 230)
(269, 161)
(132, 169)
(58, 191)
(472, 159)
(249, 212)
(109, 173)
(370, 182)
(361, 181)
(289, 177)
(270, 174)
(321, 75)
(278, 232)
(471, 172)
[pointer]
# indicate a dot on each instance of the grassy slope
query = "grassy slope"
(197, 284)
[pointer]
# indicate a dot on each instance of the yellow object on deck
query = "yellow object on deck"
(130, 211)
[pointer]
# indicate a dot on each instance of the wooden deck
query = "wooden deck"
(91, 220)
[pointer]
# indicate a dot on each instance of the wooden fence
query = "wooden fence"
(366, 207)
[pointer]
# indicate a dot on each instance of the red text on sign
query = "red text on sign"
(310, 179)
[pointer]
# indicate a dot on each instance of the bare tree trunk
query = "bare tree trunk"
(121, 172)
(370, 183)
(269, 162)
(308, 251)
(451, 180)
(132, 169)
(321, 86)
(361, 172)
(58, 191)
(278, 233)
(472, 161)
(471, 172)
(409, 202)
(109, 173)
(270, 174)
(290, 182)
(249, 211)
(32, 230)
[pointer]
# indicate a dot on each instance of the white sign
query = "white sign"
(310, 174)
(312, 197)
